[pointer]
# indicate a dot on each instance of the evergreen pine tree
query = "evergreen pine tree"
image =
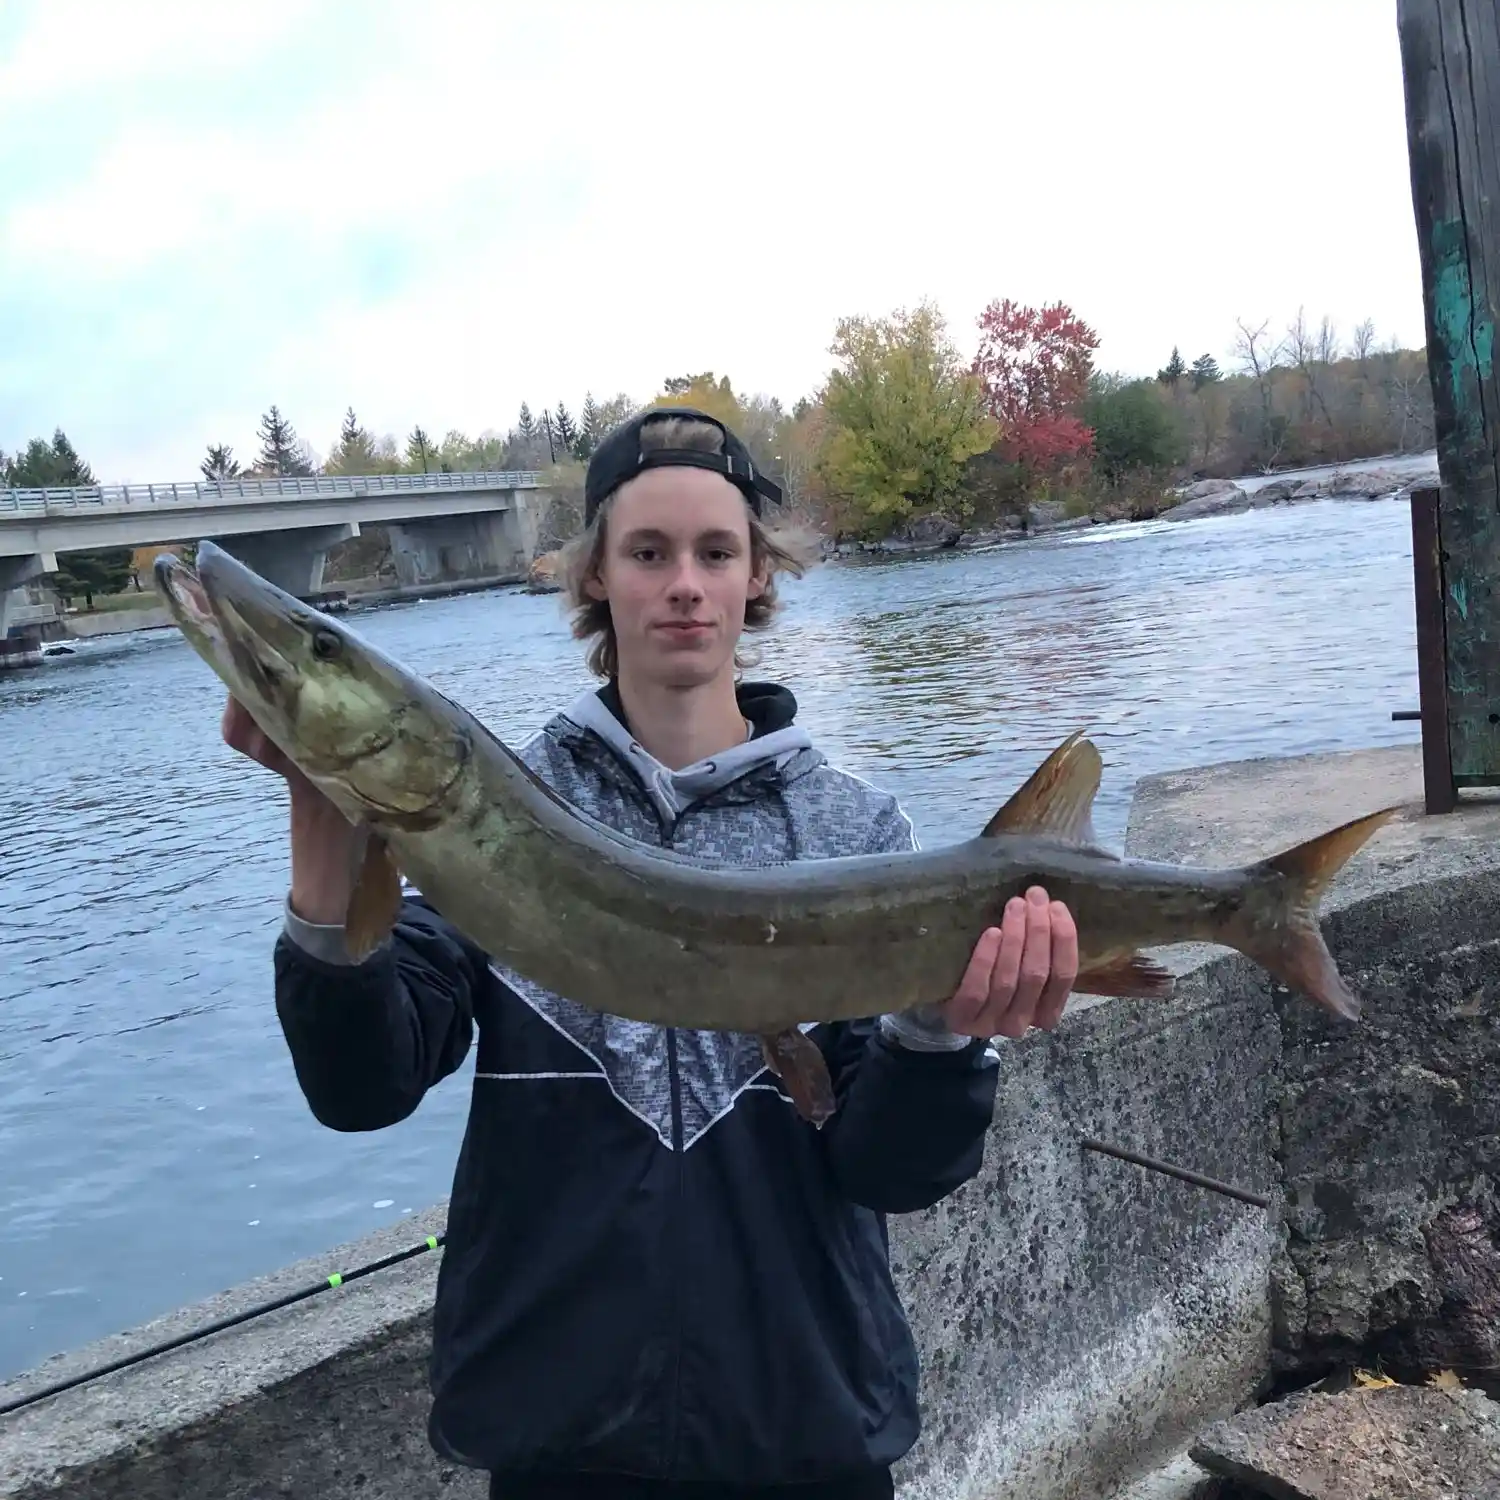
(220, 464)
(590, 428)
(1205, 371)
(562, 425)
(419, 452)
(280, 451)
(56, 465)
(1174, 369)
(355, 453)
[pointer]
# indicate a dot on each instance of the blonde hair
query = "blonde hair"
(772, 551)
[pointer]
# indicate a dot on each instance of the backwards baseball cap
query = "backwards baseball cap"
(619, 457)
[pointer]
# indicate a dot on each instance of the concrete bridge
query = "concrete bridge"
(441, 526)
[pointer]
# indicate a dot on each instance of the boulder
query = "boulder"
(542, 575)
(1277, 492)
(1412, 1442)
(1367, 484)
(930, 531)
(1208, 487)
(1045, 515)
(1219, 503)
(978, 540)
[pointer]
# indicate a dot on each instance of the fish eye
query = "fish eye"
(326, 644)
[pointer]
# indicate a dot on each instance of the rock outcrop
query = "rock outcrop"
(1415, 1442)
(1222, 497)
(542, 575)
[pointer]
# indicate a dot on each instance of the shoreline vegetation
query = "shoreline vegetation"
(910, 445)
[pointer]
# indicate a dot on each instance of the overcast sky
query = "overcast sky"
(432, 210)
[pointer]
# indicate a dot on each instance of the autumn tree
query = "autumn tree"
(1034, 366)
(800, 443)
(617, 409)
(709, 394)
(903, 415)
(1265, 429)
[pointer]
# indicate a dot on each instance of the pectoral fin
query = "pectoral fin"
(1132, 975)
(1057, 799)
(375, 899)
(798, 1062)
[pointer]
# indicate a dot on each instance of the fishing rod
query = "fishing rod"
(329, 1283)
(1196, 1178)
(432, 1242)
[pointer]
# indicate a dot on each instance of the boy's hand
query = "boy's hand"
(1021, 972)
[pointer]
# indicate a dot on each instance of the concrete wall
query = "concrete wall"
(292, 559)
(1080, 1319)
(15, 574)
(493, 546)
(1076, 1315)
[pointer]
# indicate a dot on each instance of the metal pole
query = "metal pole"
(1196, 1178)
(1432, 650)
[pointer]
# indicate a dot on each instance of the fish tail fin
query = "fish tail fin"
(1280, 930)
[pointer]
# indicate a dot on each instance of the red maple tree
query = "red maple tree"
(1034, 364)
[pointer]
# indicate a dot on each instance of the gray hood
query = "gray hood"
(671, 790)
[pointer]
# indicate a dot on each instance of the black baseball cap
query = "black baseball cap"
(619, 458)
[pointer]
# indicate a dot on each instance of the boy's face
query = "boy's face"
(676, 572)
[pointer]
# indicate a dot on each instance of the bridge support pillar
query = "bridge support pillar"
(292, 560)
(493, 545)
(15, 573)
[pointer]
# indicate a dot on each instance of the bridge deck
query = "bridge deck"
(104, 499)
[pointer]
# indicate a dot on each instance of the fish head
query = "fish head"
(381, 743)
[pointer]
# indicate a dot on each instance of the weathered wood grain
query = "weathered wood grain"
(1450, 54)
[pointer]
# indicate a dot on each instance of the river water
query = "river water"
(154, 1147)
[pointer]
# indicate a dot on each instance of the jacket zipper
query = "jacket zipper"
(674, 1083)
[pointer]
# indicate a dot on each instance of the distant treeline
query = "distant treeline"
(905, 426)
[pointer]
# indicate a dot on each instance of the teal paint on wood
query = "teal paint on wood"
(1450, 59)
(1467, 334)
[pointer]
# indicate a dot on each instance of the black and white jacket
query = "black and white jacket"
(653, 1265)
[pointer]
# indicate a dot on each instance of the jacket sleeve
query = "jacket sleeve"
(915, 1100)
(368, 1040)
(910, 1126)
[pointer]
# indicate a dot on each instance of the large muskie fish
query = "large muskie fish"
(635, 931)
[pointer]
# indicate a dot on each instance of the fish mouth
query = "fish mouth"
(237, 594)
(179, 586)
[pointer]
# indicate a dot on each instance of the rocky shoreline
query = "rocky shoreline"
(1208, 497)
(1222, 497)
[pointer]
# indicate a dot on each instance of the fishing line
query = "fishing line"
(329, 1283)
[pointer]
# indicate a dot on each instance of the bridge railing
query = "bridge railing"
(99, 498)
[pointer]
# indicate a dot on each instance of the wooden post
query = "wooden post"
(1450, 59)
(1432, 652)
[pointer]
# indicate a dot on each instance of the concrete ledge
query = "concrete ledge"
(327, 1397)
(1081, 1320)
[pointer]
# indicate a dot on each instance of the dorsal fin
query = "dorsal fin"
(1057, 798)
